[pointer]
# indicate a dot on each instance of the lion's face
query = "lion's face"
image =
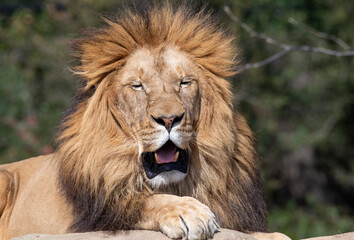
(159, 98)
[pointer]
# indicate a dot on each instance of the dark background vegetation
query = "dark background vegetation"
(300, 106)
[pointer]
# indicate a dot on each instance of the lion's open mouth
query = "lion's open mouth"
(167, 158)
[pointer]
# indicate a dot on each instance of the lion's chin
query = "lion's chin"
(166, 178)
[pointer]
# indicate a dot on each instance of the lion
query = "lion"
(151, 141)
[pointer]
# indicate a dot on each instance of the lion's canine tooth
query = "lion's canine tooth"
(176, 156)
(157, 158)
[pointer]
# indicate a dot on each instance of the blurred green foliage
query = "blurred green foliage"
(300, 106)
(313, 220)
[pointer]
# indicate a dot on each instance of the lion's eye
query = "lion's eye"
(137, 86)
(185, 82)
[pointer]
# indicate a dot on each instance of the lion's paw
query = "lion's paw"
(187, 219)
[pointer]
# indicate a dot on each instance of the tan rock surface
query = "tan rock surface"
(344, 236)
(224, 234)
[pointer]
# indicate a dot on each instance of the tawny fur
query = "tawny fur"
(98, 159)
(224, 173)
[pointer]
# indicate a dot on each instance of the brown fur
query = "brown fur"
(107, 192)
(96, 181)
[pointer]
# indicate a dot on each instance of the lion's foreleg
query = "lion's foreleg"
(178, 217)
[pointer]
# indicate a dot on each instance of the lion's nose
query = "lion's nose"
(168, 122)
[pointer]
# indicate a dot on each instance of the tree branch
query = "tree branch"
(320, 34)
(251, 31)
(286, 47)
(263, 62)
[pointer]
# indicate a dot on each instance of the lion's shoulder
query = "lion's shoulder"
(29, 165)
(12, 174)
(30, 198)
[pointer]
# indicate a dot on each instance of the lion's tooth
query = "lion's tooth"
(157, 158)
(176, 156)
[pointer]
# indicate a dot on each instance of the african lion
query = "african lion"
(151, 140)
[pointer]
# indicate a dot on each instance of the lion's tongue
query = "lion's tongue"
(166, 153)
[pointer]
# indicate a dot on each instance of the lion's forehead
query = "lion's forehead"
(148, 65)
(177, 60)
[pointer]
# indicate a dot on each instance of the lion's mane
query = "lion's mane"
(99, 171)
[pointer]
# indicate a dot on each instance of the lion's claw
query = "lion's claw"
(188, 220)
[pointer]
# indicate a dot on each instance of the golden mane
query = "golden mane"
(106, 50)
(96, 147)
